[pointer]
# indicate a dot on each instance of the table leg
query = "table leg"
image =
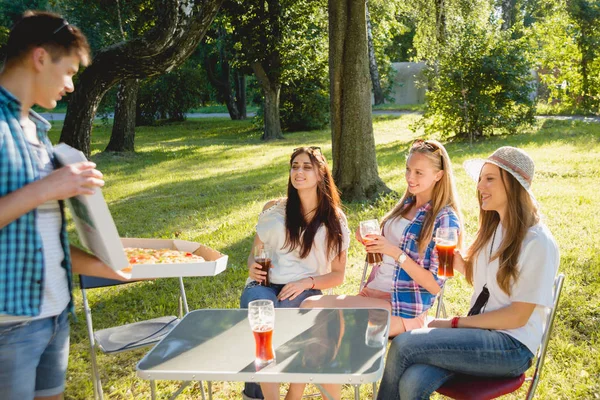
(181, 389)
(325, 392)
(356, 392)
(374, 390)
(202, 390)
(209, 384)
(153, 390)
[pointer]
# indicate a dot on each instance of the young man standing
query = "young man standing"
(43, 53)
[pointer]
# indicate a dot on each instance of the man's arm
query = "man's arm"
(84, 263)
(65, 182)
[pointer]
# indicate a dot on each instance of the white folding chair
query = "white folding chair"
(126, 337)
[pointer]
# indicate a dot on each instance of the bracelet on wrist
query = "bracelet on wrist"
(313, 282)
(454, 322)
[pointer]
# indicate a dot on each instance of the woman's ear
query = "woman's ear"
(439, 175)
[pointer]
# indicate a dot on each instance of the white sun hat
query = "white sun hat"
(514, 161)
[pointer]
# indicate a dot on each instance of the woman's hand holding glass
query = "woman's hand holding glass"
(380, 244)
(459, 262)
(256, 273)
(259, 270)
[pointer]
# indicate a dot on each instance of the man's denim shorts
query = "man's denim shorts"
(33, 357)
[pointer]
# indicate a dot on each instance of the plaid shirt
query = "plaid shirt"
(409, 299)
(21, 253)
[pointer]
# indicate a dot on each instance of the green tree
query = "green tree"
(278, 40)
(226, 75)
(482, 83)
(586, 17)
(169, 41)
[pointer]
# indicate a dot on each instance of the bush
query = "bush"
(303, 104)
(171, 95)
(482, 82)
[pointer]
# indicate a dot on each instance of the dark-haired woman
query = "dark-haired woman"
(511, 264)
(308, 236)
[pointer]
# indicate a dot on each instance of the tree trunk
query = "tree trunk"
(240, 93)
(271, 91)
(376, 81)
(353, 145)
(440, 22)
(222, 82)
(585, 81)
(179, 27)
(509, 15)
(122, 137)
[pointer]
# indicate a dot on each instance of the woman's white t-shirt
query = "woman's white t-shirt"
(287, 265)
(393, 231)
(537, 265)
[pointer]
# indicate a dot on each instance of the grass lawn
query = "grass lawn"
(399, 107)
(207, 180)
(219, 108)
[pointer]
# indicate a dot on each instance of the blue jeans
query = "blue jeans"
(33, 357)
(254, 291)
(420, 361)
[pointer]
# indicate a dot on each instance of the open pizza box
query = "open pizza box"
(98, 233)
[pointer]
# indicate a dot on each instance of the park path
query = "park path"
(61, 116)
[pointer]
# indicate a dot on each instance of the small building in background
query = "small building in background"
(409, 83)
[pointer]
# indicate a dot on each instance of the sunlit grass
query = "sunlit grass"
(207, 180)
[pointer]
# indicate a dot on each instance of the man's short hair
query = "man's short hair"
(47, 30)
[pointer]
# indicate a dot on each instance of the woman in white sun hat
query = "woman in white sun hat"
(511, 264)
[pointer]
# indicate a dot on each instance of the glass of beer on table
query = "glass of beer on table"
(261, 315)
(370, 227)
(262, 256)
(446, 240)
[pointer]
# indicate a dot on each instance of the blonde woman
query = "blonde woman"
(511, 264)
(406, 282)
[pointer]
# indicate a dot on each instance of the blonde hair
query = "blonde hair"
(444, 191)
(521, 214)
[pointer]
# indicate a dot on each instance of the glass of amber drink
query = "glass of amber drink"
(446, 240)
(261, 315)
(262, 256)
(370, 227)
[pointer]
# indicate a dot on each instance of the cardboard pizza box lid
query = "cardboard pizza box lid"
(93, 221)
(98, 233)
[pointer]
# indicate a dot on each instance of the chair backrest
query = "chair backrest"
(364, 280)
(541, 354)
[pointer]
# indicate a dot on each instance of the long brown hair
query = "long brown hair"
(521, 214)
(444, 191)
(301, 233)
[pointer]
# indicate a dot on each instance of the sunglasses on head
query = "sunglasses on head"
(313, 148)
(429, 146)
(63, 25)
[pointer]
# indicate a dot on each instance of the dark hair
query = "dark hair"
(47, 30)
(299, 232)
